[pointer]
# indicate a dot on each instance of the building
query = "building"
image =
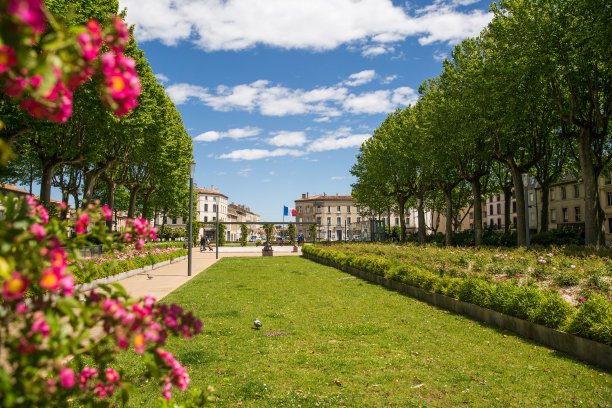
(241, 213)
(209, 203)
(335, 214)
(6, 189)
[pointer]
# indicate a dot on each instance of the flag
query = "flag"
(285, 210)
(293, 213)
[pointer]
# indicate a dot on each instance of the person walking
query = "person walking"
(202, 242)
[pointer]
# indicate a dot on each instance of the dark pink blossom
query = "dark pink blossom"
(15, 286)
(30, 12)
(108, 214)
(82, 222)
(38, 231)
(67, 378)
(7, 57)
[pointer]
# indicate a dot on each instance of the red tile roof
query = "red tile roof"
(326, 197)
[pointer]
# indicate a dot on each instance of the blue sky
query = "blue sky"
(278, 95)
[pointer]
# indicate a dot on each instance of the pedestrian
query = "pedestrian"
(208, 243)
(202, 242)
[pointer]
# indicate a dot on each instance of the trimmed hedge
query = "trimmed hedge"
(91, 272)
(592, 319)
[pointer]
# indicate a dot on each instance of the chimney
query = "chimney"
(303, 196)
(307, 194)
(324, 194)
(212, 188)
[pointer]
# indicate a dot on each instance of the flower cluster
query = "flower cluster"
(137, 230)
(40, 303)
(178, 376)
(49, 95)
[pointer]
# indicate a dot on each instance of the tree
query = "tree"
(291, 232)
(567, 42)
(244, 234)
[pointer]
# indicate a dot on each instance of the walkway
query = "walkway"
(169, 277)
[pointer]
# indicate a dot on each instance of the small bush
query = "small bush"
(593, 320)
(566, 278)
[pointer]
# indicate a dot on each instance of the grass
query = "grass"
(329, 339)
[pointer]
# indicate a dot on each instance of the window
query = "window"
(491, 209)
(532, 218)
(358, 219)
(205, 207)
(498, 197)
(408, 221)
(206, 198)
(339, 221)
(328, 209)
(338, 209)
(348, 220)
(577, 214)
(531, 198)
(214, 219)
(609, 195)
(563, 193)
(174, 221)
(499, 223)
(498, 208)
(491, 222)
(471, 216)
(318, 209)
(299, 209)
(514, 206)
(610, 225)
(553, 215)
(328, 220)
(552, 193)
(348, 209)
(358, 208)
(396, 221)
(514, 220)
(576, 191)
(565, 214)
(319, 220)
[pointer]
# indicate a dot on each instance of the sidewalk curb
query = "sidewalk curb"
(84, 287)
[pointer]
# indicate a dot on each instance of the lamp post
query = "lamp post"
(218, 199)
(525, 178)
(191, 171)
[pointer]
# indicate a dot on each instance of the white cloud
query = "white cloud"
(376, 50)
(276, 100)
(297, 24)
(162, 78)
(256, 154)
(389, 79)
(266, 180)
(323, 119)
(244, 172)
(338, 178)
(272, 173)
(237, 133)
(439, 56)
(360, 78)
(339, 139)
(288, 139)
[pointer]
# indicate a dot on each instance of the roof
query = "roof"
(14, 189)
(205, 191)
(327, 197)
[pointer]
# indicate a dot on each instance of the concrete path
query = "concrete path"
(169, 277)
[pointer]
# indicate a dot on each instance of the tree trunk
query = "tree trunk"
(476, 190)
(145, 203)
(449, 217)
(519, 193)
(45, 182)
(132, 208)
(401, 204)
(421, 216)
(589, 178)
(544, 210)
(507, 208)
(110, 191)
(90, 182)
(65, 198)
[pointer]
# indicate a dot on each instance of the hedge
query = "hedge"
(592, 319)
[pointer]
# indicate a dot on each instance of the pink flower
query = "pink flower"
(82, 222)
(50, 279)
(57, 256)
(15, 286)
(582, 300)
(140, 243)
(14, 87)
(112, 375)
(40, 325)
(139, 343)
(149, 300)
(166, 391)
(89, 48)
(38, 231)
(30, 12)
(86, 374)
(63, 205)
(153, 233)
(21, 308)
(108, 214)
(122, 83)
(7, 57)
(171, 320)
(100, 390)
(44, 214)
(67, 284)
(67, 378)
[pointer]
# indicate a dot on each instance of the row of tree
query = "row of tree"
(138, 163)
(530, 95)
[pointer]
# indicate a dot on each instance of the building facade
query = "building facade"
(336, 216)
(241, 213)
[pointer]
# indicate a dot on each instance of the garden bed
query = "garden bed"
(119, 262)
(501, 281)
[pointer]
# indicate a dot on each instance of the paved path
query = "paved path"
(169, 277)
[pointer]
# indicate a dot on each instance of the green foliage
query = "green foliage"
(291, 232)
(593, 320)
(244, 234)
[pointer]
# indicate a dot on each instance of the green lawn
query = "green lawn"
(329, 339)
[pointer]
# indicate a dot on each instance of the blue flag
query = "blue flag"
(285, 210)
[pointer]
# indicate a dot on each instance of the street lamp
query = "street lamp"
(191, 171)
(525, 178)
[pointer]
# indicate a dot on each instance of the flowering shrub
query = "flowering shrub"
(499, 281)
(46, 337)
(42, 62)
